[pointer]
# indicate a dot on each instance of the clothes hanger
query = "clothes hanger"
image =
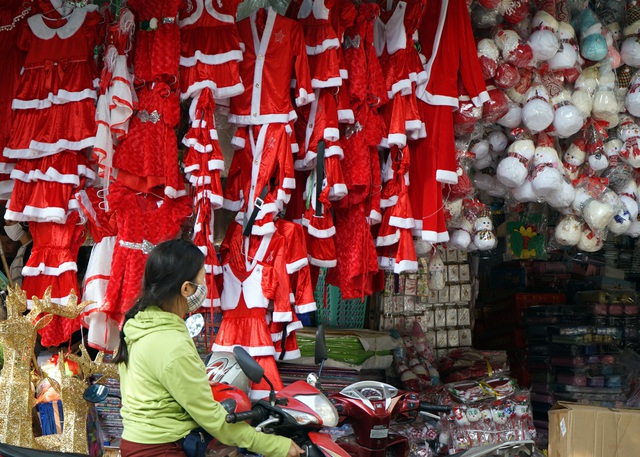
(63, 4)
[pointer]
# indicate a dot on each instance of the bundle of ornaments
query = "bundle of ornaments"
(489, 410)
(562, 123)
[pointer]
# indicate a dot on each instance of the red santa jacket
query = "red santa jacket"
(447, 41)
(269, 63)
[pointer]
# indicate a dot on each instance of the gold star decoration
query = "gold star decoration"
(279, 36)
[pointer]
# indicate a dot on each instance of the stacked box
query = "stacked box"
(445, 315)
(109, 414)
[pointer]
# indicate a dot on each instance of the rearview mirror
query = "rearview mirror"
(321, 346)
(249, 366)
(96, 393)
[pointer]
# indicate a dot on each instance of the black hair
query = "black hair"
(169, 265)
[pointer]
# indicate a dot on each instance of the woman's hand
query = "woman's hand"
(295, 450)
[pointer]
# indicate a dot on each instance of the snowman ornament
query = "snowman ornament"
(629, 134)
(435, 275)
(573, 158)
(484, 238)
(513, 169)
(546, 178)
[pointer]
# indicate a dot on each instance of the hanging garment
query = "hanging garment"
(142, 222)
(156, 55)
(268, 66)
(147, 158)
(53, 264)
(98, 273)
(210, 50)
(54, 107)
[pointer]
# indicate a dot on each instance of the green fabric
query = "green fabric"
(165, 391)
(347, 349)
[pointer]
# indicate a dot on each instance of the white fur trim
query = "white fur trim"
(331, 43)
(388, 240)
(61, 98)
(232, 205)
(255, 351)
(400, 222)
(435, 237)
(304, 97)
(306, 307)
(218, 92)
(331, 134)
(397, 139)
(289, 183)
(447, 177)
(297, 265)
(405, 266)
(209, 59)
(326, 83)
(43, 269)
(481, 98)
(338, 192)
(281, 316)
(323, 263)
(346, 116)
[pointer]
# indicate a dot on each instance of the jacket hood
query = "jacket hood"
(151, 320)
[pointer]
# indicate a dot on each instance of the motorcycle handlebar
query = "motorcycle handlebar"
(232, 418)
(430, 407)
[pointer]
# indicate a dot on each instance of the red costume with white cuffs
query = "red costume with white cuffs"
(254, 273)
(210, 50)
(54, 107)
(448, 44)
(268, 66)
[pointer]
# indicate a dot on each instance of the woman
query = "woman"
(165, 391)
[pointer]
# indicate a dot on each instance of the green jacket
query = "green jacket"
(165, 391)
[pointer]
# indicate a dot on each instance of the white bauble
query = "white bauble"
(568, 231)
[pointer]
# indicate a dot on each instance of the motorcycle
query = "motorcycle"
(299, 411)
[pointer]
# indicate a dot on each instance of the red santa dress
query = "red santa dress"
(12, 59)
(254, 272)
(54, 107)
(142, 221)
(148, 156)
(53, 263)
(210, 50)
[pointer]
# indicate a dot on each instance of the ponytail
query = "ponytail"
(169, 265)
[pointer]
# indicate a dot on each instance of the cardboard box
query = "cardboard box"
(593, 431)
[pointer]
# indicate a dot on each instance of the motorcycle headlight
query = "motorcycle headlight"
(300, 417)
(322, 406)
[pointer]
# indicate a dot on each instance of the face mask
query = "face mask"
(195, 300)
(14, 232)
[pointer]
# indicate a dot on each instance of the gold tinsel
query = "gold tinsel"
(18, 336)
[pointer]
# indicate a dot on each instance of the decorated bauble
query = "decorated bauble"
(595, 213)
(621, 221)
(568, 231)
(513, 50)
(589, 240)
(513, 169)
(488, 56)
(497, 105)
(506, 76)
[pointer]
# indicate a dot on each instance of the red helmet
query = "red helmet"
(234, 400)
